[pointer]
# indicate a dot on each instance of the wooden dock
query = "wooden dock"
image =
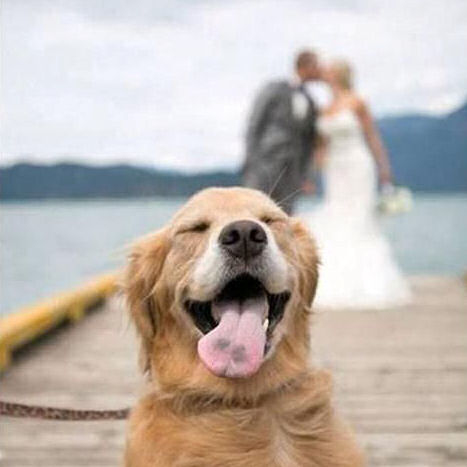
(400, 377)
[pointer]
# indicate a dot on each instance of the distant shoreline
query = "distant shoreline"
(181, 198)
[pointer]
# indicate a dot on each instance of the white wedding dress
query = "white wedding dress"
(357, 267)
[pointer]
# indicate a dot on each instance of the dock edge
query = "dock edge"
(31, 322)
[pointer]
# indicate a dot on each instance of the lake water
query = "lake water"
(54, 245)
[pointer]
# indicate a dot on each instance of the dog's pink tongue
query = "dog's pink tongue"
(235, 348)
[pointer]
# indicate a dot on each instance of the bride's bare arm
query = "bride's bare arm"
(374, 141)
(316, 164)
(319, 152)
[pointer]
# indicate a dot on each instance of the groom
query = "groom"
(280, 134)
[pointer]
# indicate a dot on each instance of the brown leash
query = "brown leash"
(12, 409)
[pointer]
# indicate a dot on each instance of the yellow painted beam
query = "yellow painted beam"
(27, 324)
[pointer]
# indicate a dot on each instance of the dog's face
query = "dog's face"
(224, 287)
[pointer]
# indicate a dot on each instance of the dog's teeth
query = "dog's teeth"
(266, 324)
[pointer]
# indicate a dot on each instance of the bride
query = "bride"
(358, 270)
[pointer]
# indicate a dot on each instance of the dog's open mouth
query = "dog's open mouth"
(237, 325)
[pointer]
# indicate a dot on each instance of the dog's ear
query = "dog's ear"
(307, 256)
(145, 265)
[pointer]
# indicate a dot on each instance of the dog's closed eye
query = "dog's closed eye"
(271, 219)
(197, 227)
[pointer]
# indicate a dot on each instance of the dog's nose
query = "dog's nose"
(243, 239)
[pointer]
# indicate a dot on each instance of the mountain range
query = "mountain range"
(427, 154)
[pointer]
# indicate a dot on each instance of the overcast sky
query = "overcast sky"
(168, 83)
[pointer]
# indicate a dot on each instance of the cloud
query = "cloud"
(169, 83)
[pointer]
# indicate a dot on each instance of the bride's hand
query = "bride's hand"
(385, 176)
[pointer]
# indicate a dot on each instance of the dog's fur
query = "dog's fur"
(280, 416)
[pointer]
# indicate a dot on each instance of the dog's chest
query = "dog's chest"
(260, 439)
(285, 451)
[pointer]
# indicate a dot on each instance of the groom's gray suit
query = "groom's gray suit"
(279, 141)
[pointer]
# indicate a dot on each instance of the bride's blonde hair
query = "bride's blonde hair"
(344, 73)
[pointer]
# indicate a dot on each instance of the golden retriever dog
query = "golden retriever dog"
(221, 299)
